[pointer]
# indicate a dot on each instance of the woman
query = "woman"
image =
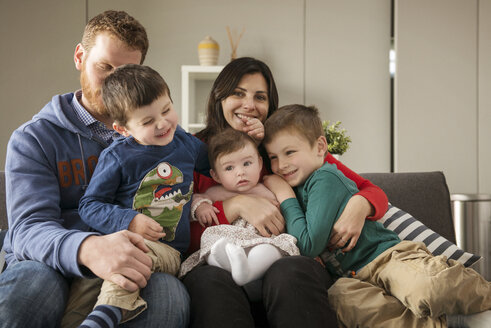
(293, 291)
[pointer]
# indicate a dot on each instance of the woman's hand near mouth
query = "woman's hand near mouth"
(253, 127)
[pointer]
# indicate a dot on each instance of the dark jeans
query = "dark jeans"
(294, 294)
(34, 295)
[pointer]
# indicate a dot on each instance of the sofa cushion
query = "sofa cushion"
(423, 194)
(409, 228)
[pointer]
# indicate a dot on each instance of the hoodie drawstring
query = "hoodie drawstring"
(86, 183)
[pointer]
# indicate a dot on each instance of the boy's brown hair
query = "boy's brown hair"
(226, 142)
(130, 87)
(295, 118)
(121, 26)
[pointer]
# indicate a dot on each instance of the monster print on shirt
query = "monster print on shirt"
(160, 197)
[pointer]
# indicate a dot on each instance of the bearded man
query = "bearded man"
(50, 160)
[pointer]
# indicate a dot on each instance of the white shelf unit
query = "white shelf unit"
(190, 74)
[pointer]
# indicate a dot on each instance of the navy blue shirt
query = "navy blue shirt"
(157, 181)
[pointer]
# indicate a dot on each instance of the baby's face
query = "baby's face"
(240, 170)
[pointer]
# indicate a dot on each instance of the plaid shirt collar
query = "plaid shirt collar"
(97, 128)
(82, 113)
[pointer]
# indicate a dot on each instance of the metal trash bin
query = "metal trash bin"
(472, 222)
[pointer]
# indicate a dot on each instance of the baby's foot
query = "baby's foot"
(218, 256)
(238, 263)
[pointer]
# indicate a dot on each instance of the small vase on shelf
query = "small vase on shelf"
(208, 50)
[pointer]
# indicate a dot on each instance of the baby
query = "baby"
(237, 165)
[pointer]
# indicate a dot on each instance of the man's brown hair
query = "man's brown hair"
(120, 25)
(225, 142)
(295, 118)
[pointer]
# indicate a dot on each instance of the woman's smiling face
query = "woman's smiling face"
(248, 100)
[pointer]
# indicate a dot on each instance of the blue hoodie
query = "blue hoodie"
(49, 162)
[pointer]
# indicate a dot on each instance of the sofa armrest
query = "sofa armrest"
(425, 195)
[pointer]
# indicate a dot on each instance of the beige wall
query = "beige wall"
(484, 98)
(273, 33)
(442, 105)
(36, 57)
(316, 57)
(333, 54)
(347, 75)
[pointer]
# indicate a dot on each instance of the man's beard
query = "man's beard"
(92, 96)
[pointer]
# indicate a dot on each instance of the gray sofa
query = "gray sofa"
(424, 194)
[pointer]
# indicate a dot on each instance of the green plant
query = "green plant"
(337, 140)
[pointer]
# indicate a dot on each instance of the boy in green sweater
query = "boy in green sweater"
(383, 281)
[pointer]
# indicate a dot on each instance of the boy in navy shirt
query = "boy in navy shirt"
(143, 182)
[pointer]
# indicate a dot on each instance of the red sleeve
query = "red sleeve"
(196, 230)
(201, 183)
(374, 194)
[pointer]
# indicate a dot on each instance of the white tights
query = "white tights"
(246, 265)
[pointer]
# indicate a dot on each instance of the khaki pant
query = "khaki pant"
(406, 286)
(83, 292)
(81, 301)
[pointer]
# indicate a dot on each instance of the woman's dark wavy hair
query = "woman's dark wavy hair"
(224, 86)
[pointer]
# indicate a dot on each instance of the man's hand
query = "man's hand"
(146, 227)
(349, 225)
(262, 213)
(207, 214)
(119, 257)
